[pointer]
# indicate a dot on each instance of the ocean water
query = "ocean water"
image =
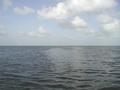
(59, 68)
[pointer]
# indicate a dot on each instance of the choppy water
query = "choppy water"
(59, 68)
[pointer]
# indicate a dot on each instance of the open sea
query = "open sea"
(60, 68)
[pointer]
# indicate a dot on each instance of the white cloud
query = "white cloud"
(77, 22)
(67, 8)
(109, 24)
(77, 6)
(112, 26)
(7, 3)
(57, 12)
(105, 18)
(41, 32)
(24, 10)
(67, 13)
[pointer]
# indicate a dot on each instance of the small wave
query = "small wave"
(84, 86)
(116, 57)
(85, 79)
(116, 82)
(30, 83)
(66, 78)
(110, 88)
(14, 75)
(59, 86)
(91, 72)
(45, 80)
(8, 78)
(117, 73)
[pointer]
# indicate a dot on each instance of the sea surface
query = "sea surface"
(59, 68)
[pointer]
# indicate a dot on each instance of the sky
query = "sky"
(59, 22)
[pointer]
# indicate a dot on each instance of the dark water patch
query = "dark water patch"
(7, 87)
(76, 76)
(15, 75)
(118, 77)
(114, 70)
(100, 75)
(8, 79)
(86, 80)
(84, 86)
(90, 72)
(66, 78)
(60, 86)
(116, 81)
(46, 81)
(116, 58)
(115, 73)
(110, 88)
(30, 84)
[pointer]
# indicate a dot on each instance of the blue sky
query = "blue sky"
(59, 22)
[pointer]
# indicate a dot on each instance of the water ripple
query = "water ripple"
(60, 68)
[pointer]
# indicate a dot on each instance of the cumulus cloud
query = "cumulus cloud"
(24, 10)
(67, 8)
(67, 13)
(109, 24)
(75, 23)
(7, 3)
(57, 12)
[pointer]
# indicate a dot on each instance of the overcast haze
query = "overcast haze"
(59, 22)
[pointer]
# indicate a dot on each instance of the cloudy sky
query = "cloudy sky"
(59, 22)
